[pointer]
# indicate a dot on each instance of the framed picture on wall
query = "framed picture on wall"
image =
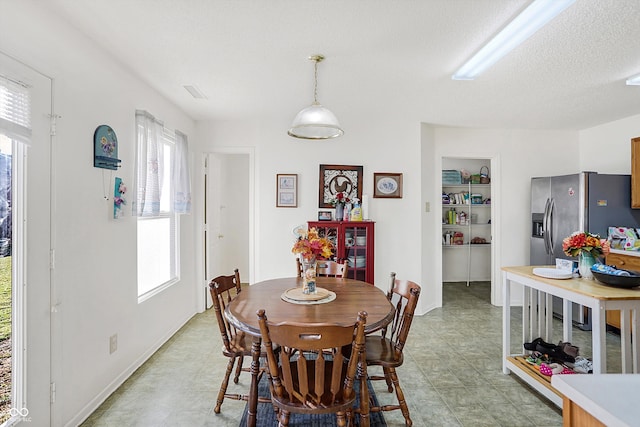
(287, 190)
(336, 179)
(324, 216)
(387, 185)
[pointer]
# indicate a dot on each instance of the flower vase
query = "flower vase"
(309, 276)
(585, 261)
(339, 211)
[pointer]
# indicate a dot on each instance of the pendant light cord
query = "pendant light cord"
(315, 59)
(315, 81)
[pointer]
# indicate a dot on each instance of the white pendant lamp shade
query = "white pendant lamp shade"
(315, 121)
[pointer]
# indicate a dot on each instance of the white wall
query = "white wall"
(517, 156)
(95, 268)
(385, 144)
(95, 271)
(431, 295)
(407, 237)
(607, 148)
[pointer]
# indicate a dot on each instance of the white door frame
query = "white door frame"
(40, 346)
(496, 290)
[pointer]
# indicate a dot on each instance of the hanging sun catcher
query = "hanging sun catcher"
(105, 148)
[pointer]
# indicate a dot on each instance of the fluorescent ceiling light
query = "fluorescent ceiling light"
(521, 28)
(634, 81)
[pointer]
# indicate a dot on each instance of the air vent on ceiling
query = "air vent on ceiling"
(195, 92)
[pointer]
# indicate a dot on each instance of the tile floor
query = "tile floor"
(452, 374)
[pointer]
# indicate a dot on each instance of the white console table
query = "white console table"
(537, 318)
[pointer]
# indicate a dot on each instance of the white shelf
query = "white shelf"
(465, 226)
(475, 205)
(466, 245)
(465, 185)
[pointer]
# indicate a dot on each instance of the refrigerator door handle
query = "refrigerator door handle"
(552, 207)
(545, 226)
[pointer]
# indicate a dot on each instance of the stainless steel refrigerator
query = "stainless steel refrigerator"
(586, 201)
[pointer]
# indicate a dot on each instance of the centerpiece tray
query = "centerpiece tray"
(295, 296)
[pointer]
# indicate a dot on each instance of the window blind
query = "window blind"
(15, 109)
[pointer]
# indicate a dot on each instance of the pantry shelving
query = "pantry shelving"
(466, 228)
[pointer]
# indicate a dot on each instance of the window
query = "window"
(157, 221)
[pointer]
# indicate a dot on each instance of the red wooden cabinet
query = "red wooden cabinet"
(354, 242)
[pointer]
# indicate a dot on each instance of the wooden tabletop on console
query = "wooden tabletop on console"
(591, 288)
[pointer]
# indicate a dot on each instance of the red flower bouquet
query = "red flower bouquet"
(583, 241)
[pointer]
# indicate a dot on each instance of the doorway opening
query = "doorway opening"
(468, 222)
(228, 215)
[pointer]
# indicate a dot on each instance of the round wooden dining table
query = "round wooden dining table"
(351, 297)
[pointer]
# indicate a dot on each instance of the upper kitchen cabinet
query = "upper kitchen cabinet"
(635, 173)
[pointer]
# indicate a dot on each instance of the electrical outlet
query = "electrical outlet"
(427, 207)
(113, 343)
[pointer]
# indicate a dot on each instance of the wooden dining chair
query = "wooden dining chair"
(385, 350)
(236, 345)
(325, 268)
(310, 374)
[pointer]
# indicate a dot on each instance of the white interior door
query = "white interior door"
(227, 229)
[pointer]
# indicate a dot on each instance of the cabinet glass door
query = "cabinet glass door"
(355, 251)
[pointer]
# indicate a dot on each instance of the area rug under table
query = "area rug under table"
(266, 417)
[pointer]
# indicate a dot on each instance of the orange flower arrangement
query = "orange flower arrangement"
(311, 245)
(583, 241)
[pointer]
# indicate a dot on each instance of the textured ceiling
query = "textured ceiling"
(250, 57)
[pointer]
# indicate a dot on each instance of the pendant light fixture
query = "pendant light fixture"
(315, 121)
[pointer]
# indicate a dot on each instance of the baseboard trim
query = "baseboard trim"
(95, 403)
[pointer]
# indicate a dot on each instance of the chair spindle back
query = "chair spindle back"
(223, 289)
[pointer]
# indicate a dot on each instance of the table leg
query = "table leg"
(567, 320)
(506, 322)
(528, 314)
(253, 390)
(625, 341)
(548, 332)
(542, 315)
(634, 339)
(599, 337)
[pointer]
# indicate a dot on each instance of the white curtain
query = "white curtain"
(180, 176)
(150, 164)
